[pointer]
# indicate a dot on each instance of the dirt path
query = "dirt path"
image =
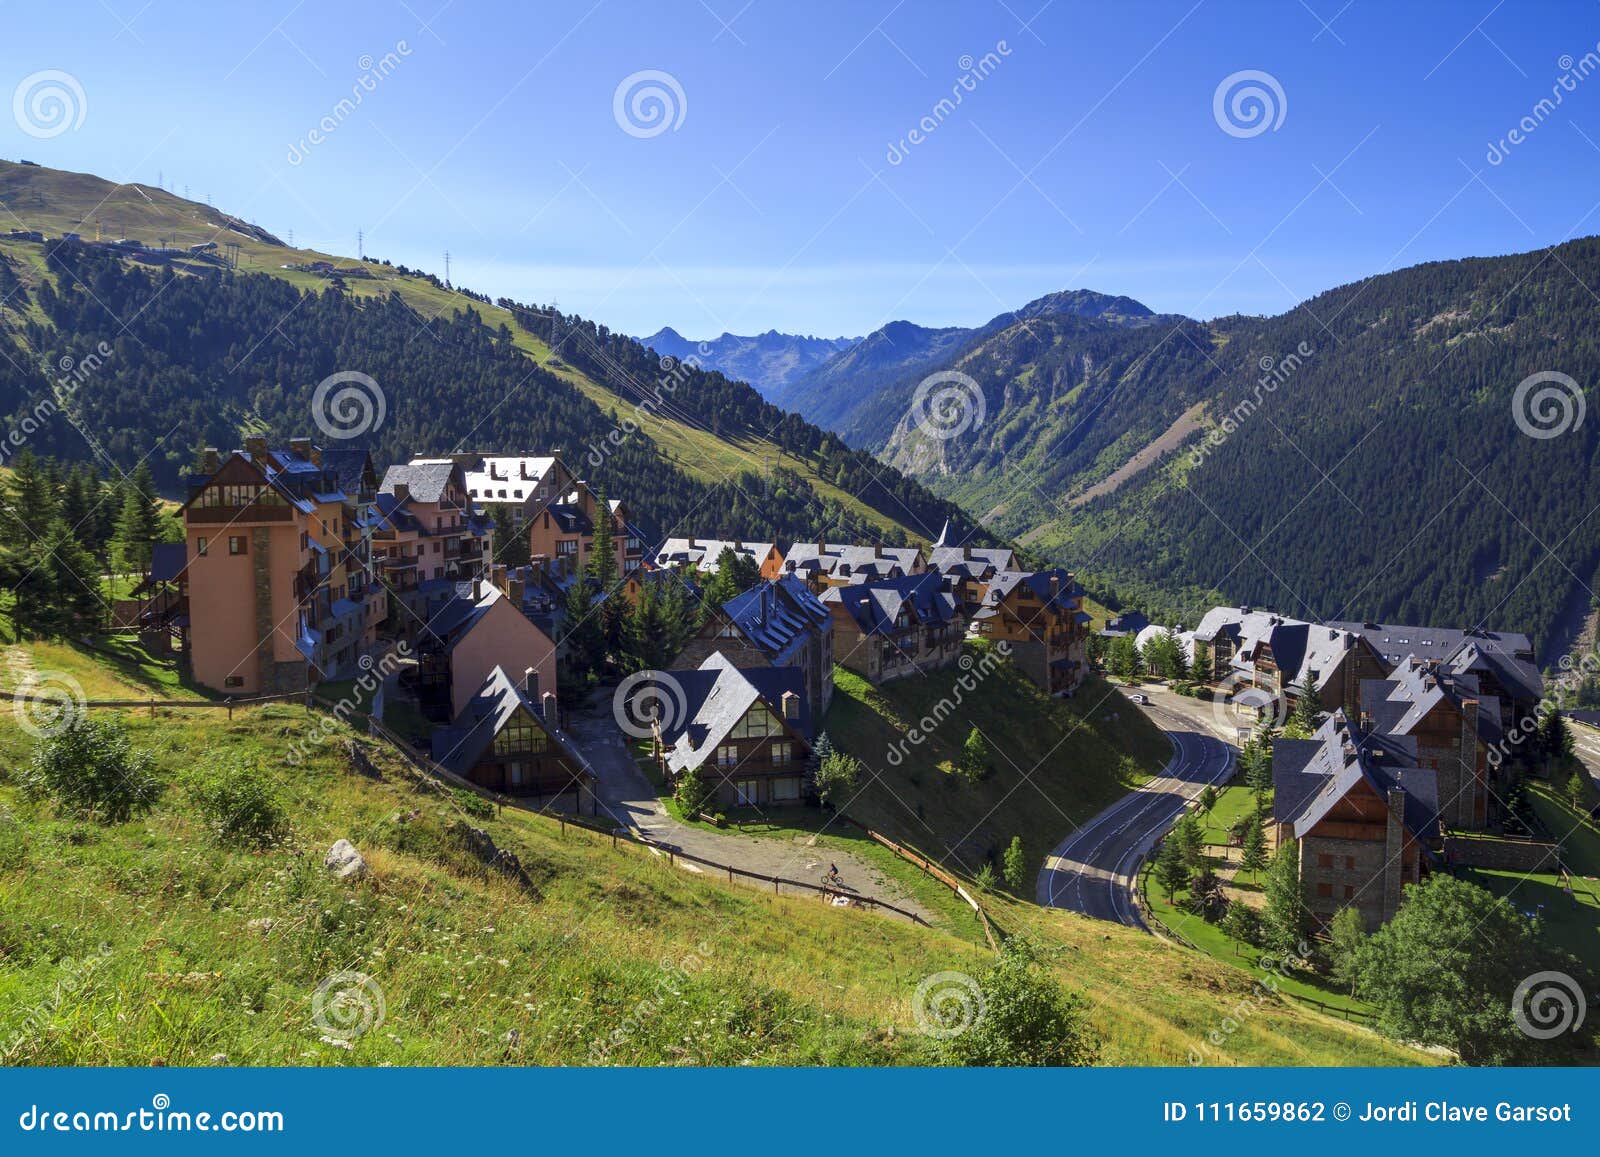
(632, 801)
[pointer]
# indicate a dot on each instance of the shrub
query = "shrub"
(836, 777)
(693, 793)
(473, 804)
(241, 805)
(89, 768)
(1015, 865)
(1026, 1017)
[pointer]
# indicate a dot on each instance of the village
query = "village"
(484, 598)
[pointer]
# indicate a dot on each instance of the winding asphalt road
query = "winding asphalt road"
(1095, 870)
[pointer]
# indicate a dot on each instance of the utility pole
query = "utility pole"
(447, 267)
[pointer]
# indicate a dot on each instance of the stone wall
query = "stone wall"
(1500, 854)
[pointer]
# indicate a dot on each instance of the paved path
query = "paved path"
(631, 800)
(1586, 745)
(1095, 870)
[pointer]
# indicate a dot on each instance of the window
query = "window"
(1350, 863)
(1349, 891)
(1324, 861)
(746, 792)
(200, 546)
(786, 790)
(514, 774)
(1325, 890)
(783, 752)
(567, 546)
(756, 724)
(519, 736)
(236, 544)
(728, 755)
(233, 681)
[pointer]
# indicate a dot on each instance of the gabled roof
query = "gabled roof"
(497, 472)
(1311, 776)
(876, 606)
(1397, 705)
(1298, 647)
(1054, 589)
(351, 468)
(459, 746)
(777, 616)
(717, 695)
(845, 560)
(427, 478)
(703, 552)
(1506, 656)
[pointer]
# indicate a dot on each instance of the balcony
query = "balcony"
(238, 515)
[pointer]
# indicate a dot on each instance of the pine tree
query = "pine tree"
(139, 525)
(975, 757)
(1307, 706)
(1192, 838)
(1172, 873)
(1347, 935)
(1014, 867)
(1286, 919)
(1253, 855)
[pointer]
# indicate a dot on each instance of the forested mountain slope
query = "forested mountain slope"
(1358, 457)
(203, 353)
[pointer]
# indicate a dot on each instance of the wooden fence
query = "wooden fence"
(935, 872)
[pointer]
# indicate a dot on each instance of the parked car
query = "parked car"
(1142, 698)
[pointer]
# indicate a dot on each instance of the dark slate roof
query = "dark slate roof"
(391, 510)
(1519, 676)
(350, 466)
(1310, 776)
(1396, 705)
(1038, 583)
(777, 616)
(459, 746)
(427, 480)
(716, 696)
(571, 519)
(876, 606)
(1394, 642)
(168, 560)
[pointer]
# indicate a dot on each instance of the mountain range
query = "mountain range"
(770, 361)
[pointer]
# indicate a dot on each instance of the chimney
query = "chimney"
(301, 448)
(530, 684)
(402, 491)
(548, 704)
(791, 705)
(256, 448)
(211, 460)
(522, 468)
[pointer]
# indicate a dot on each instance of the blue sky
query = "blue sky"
(1089, 154)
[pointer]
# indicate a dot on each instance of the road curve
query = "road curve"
(1095, 870)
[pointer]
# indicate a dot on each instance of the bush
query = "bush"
(1025, 1017)
(241, 805)
(693, 793)
(473, 804)
(90, 769)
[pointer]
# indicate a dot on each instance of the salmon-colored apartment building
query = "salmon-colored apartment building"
(427, 534)
(278, 567)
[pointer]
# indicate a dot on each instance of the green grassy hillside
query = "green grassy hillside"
(1054, 762)
(149, 942)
